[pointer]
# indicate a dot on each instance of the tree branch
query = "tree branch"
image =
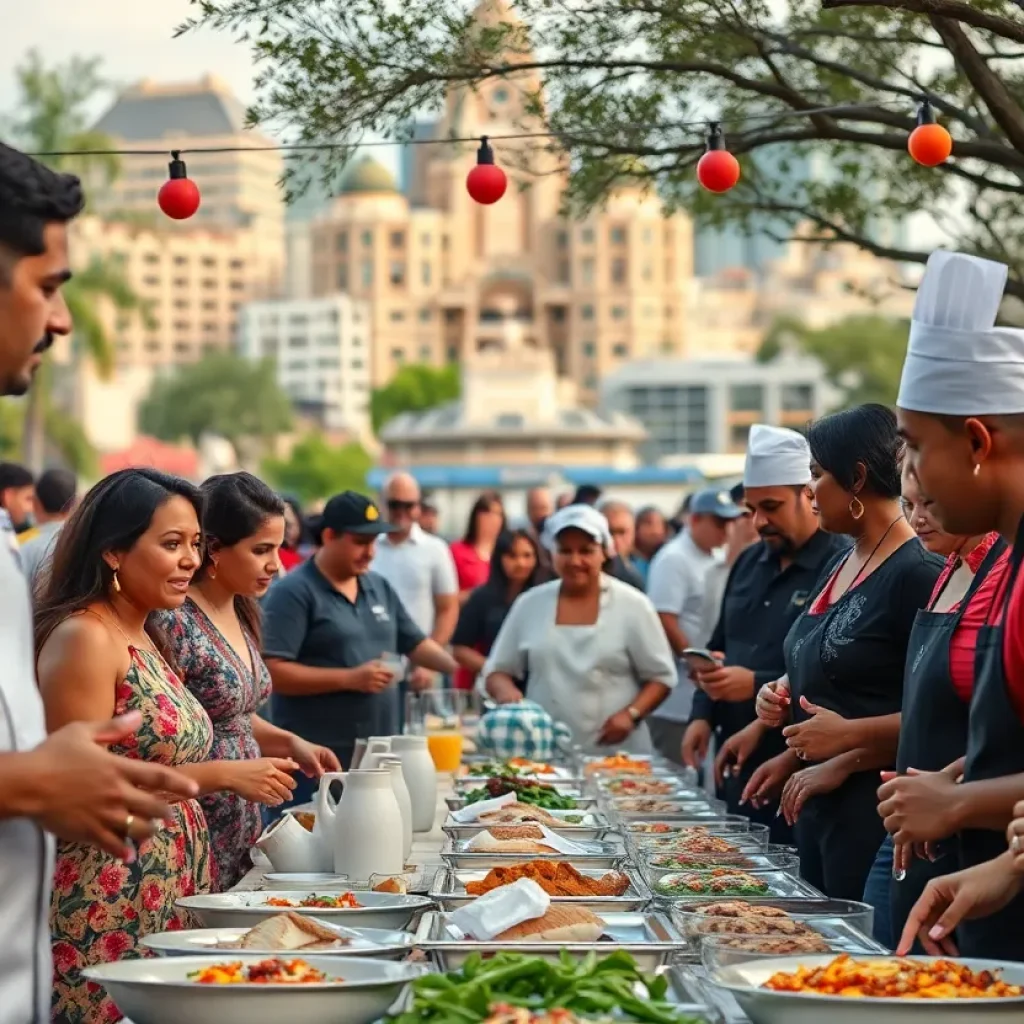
(957, 10)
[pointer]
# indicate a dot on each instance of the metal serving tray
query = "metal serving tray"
(594, 826)
(780, 885)
(592, 855)
(449, 891)
(566, 787)
(694, 811)
(583, 803)
(648, 937)
(824, 915)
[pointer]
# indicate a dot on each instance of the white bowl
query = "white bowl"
(159, 992)
(379, 942)
(245, 909)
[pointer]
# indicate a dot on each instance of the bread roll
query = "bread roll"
(565, 924)
(288, 932)
(485, 842)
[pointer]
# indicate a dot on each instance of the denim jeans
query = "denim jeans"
(876, 892)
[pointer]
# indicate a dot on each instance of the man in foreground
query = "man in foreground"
(41, 779)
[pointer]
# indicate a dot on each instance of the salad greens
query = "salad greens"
(590, 986)
(537, 793)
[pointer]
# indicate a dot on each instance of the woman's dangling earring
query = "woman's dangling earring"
(977, 469)
(115, 583)
(856, 507)
(212, 571)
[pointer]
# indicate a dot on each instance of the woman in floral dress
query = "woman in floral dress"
(130, 549)
(215, 637)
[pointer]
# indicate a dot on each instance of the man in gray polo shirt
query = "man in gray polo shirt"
(326, 626)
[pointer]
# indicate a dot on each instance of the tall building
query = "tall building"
(321, 348)
(240, 190)
(595, 292)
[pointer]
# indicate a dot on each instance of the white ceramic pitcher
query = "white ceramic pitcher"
(377, 748)
(420, 777)
(366, 823)
(394, 766)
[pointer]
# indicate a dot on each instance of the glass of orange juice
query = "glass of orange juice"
(445, 748)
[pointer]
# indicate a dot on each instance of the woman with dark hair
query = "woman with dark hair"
(845, 655)
(515, 567)
(472, 554)
(130, 549)
(215, 637)
(294, 533)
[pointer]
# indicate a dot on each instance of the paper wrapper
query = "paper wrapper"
(472, 812)
(500, 909)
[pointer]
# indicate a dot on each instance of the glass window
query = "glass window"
(562, 239)
(619, 272)
(618, 312)
(797, 398)
(398, 355)
(588, 348)
(367, 238)
(425, 353)
(425, 239)
(425, 270)
(397, 272)
(341, 241)
(587, 312)
(341, 276)
(425, 316)
(397, 239)
(620, 351)
(452, 354)
(397, 316)
(617, 235)
(587, 271)
(587, 235)
(564, 275)
(367, 273)
(746, 398)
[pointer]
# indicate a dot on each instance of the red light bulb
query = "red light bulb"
(929, 144)
(486, 183)
(179, 197)
(717, 170)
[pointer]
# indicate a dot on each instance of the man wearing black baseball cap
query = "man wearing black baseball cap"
(332, 631)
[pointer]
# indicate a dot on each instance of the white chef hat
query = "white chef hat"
(958, 363)
(577, 517)
(776, 457)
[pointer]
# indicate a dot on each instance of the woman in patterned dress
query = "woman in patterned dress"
(130, 549)
(215, 637)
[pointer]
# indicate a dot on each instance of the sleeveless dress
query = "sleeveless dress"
(230, 691)
(102, 906)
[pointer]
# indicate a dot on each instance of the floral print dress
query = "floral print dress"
(230, 690)
(102, 906)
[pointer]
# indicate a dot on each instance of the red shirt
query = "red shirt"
(965, 638)
(289, 558)
(472, 571)
(1013, 645)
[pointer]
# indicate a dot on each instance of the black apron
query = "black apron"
(995, 747)
(933, 729)
(837, 834)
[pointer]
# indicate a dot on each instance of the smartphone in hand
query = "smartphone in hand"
(698, 659)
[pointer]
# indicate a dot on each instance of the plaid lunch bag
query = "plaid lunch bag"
(522, 730)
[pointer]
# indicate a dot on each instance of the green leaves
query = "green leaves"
(412, 389)
(315, 470)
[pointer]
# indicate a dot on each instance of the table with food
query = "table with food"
(574, 890)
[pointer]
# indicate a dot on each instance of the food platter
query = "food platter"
(678, 887)
(449, 891)
(583, 803)
(824, 915)
(649, 937)
(159, 991)
(591, 855)
(593, 825)
(387, 944)
(764, 1006)
(238, 909)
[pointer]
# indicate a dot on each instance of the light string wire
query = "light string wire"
(297, 147)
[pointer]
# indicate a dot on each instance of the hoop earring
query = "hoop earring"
(857, 508)
(115, 584)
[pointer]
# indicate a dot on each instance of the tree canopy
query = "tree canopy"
(413, 388)
(316, 470)
(797, 84)
(862, 355)
(221, 394)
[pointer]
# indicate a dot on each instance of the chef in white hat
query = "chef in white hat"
(961, 411)
(767, 589)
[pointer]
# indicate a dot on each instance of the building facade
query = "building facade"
(321, 348)
(691, 407)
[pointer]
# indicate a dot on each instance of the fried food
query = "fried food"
(777, 945)
(641, 787)
(696, 840)
(619, 764)
(556, 878)
(893, 978)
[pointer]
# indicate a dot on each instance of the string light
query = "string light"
(718, 170)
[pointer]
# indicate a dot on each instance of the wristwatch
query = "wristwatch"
(634, 715)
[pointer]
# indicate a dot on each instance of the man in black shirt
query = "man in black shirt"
(767, 589)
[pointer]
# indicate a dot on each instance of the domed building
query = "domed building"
(446, 278)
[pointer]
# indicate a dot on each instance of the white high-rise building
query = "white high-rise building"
(321, 348)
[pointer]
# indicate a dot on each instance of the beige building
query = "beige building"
(240, 191)
(594, 293)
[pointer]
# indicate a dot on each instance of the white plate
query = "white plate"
(307, 881)
(159, 992)
(380, 942)
(238, 909)
(764, 1006)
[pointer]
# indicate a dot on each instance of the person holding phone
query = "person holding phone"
(766, 591)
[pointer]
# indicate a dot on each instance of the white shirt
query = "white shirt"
(581, 675)
(420, 568)
(36, 552)
(26, 852)
(675, 585)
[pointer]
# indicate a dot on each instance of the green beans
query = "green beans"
(593, 987)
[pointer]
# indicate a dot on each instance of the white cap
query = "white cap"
(776, 457)
(958, 363)
(577, 517)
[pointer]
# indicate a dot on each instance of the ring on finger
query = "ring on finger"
(128, 822)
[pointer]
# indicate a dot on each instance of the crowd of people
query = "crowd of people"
(839, 640)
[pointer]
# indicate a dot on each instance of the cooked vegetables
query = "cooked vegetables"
(537, 793)
(590, 987)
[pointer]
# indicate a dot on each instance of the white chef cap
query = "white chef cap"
(577, 517)
(776, 457)
(958, 363)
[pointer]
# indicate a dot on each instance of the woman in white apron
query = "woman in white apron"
(596, 654)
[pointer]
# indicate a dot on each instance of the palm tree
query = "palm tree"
(51, 116)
